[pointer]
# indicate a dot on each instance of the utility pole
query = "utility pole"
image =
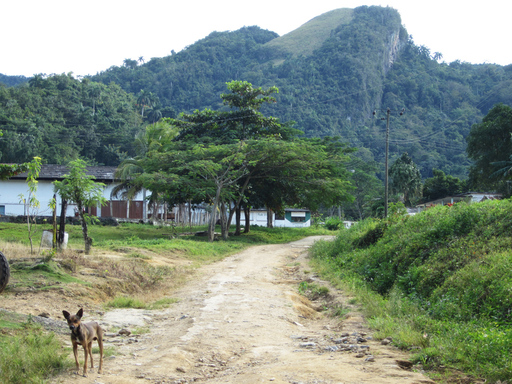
(386, 182)
(386, 189)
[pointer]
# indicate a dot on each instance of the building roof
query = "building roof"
(57, 172)
(468, 196)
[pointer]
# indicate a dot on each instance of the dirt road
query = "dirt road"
(241, 321)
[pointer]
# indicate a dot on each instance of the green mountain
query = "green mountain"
(333, 73)
(12, 81)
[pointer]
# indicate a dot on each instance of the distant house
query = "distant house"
(472, 197)
(11, 203)
(292, 218)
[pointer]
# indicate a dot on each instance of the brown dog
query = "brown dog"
(84, 334)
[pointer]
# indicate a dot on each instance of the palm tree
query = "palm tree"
(505, 170)
(129, 63)
(154, 115)
(143, 100)
(153, 137)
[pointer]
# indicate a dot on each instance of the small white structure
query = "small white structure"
(292, 218)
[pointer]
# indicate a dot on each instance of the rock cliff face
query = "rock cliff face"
(394, 47)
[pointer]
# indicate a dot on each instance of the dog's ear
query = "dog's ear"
(80, 313)
(66, 314)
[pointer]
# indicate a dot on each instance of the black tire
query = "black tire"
(5, 272)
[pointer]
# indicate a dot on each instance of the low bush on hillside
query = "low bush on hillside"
(445, 276)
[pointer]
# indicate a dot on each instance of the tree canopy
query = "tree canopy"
(366, 61)
(490, 144)
(226, 158)
(442, 185)
(60, 118)
(405, 179)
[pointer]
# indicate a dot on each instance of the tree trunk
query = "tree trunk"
(223, 221)
(54, 224)
(238, 212)
(211, 225)
(62, 222)
(87, 239)
(190, 213)
(232, 210)
(270, 223)
(247, 213)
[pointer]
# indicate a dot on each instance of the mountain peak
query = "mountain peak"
(313, 33)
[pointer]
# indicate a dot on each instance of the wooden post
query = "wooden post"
(54, 239)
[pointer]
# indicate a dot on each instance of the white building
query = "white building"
(292, 218)
(15, 190)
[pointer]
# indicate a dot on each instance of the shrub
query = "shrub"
(333, 223)
(443, 279)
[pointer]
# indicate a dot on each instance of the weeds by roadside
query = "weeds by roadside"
(27, 353)
(439, 283)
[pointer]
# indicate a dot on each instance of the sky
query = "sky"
(86, 37)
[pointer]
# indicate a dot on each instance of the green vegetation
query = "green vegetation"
(405, 179)
(490, 147)
(237, 159)
(132, 302)
(332, 73)
(363, 60)
(60, 118)
(309, 37)
(129, 236)
(163, 303)
(27, 354)
(126, 302)
(312, 290)
(80, 188)
(333, 223)
(438, 281)
(41, 275)
(442, 185)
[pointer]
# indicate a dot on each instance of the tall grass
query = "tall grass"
(30, 356)
(439, 282)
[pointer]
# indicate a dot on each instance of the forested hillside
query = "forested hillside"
(12, 81)
(332, 73)
(59, 118)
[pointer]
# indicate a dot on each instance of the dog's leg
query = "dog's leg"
(86, 353)
(90, 354)
(100, 344)
(75, 352)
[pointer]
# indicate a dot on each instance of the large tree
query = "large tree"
(489, 144)
(368, 190)
(218, 156)
(442, 185)
(405, 178)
